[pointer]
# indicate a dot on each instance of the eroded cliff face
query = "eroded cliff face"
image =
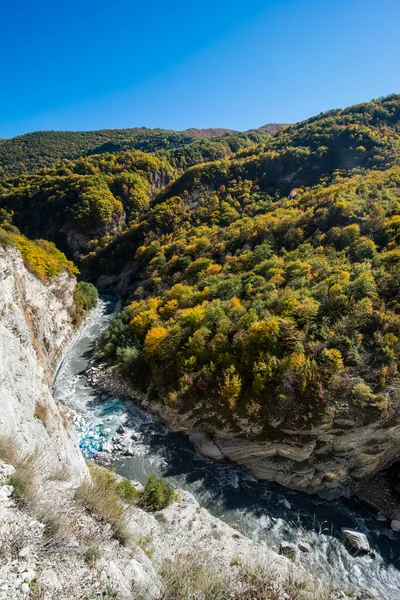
(35, 326)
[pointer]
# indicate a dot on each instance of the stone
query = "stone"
(356, 542)
(121, 429)
(304, 547)
(380, 517)
(395, 525)
(288, 550)
(24, 552)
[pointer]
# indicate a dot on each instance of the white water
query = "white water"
(265, 512)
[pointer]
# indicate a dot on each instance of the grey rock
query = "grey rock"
(395, 525)
(356, 542)
(288, 550)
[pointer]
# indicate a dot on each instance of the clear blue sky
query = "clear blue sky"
(92, 64)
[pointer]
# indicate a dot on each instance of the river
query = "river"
(262, 511)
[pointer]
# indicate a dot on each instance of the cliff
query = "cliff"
(35, 326)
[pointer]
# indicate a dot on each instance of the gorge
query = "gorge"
(250, 359)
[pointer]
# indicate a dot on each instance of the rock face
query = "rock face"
(35, 326)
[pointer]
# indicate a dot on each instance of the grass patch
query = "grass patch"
(22, 482)
(60, 473)
(194, 576)
(91, 556)
(9, 450)
(191, 577)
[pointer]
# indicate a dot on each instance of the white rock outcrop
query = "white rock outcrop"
(35, 326)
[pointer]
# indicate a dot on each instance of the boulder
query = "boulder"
(356, 542)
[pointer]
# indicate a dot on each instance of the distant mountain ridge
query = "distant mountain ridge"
(31, 152)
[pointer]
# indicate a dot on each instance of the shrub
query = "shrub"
(157, 494)
(127, 491)
(6, 238)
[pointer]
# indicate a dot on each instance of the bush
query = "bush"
(157, 494)
(127, 491)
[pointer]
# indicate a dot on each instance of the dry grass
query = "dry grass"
(100, 496)
(194, 576)
(42, 414)
(9, 450)
(60, 473)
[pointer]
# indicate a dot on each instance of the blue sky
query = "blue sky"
(238, 64)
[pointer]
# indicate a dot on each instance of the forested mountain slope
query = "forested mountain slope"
(263, 285)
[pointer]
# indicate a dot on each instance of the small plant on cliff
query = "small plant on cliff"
(157, 494)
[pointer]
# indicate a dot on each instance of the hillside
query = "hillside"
(31, 152)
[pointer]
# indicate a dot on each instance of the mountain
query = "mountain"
(33, 151)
